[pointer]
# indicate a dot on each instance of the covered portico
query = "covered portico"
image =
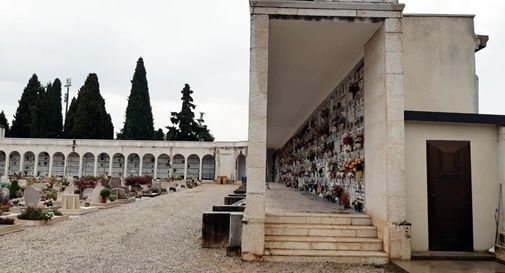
(301, 51)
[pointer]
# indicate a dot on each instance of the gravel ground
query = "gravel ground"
(157, 235)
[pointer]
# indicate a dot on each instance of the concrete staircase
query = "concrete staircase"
(312, 237)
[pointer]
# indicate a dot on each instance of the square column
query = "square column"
(156, 167)
(36, 165)
(384, 137)
(81, 158)
(95, 166)
(111, 162)
(253, 231)
(200, 170)
(7, 161)
(141, 165)
(51, 158)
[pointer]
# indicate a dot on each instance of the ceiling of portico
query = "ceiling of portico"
(307, 60)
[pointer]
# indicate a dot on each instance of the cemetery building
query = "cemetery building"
(361, 104)
(121, 158)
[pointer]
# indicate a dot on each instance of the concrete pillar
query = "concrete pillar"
(21, 162)
(81, 159)
(156, 166)
(36, 165)
(185, 167)
(51, 158)
(111, 161)
(384, 129)
(253, 232)
(7, 161)
(95, 167)
(65, 164)
(200, 169)
(141, 165)
(125, 167)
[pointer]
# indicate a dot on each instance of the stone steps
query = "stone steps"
(322, 243)
(353, 257)
(320, 230)
(308, 237)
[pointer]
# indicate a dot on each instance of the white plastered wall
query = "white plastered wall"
(485, 177)
(439, 63)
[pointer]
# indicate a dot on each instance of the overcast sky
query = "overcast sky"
(201, 42)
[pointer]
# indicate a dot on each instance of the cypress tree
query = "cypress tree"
(185, 128)
(91, 120)
(23, 117)
(138, 123)
(69, 119)
(40, 115)
(56, 116)
(159, 135)
(5, 123)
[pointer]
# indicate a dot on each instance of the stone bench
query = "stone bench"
(230, 208)
(230, 200)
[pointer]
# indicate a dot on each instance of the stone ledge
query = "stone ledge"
(6, 229)
(54, 220)
(327, 5)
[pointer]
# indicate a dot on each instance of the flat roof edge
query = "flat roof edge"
(454, 117)
(438, 15)
(326, 5)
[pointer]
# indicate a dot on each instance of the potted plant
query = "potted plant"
(105, 193)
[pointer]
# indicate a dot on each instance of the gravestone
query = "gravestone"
(120, 193)
(115, 182)
(70, 202)
(156, 185)
(95, 196)
(4, 194)
(87, 193)
(32, 196)
(70, 189)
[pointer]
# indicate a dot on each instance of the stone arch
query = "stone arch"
(73, 160)
(43, 164)
(208, 167)
(163, 168)
(118, 161)
(88, 164)
(148, 161)
(103, 164)
(58, 168)
(14, 163)
(28, 164)
(241, 166)
(133, 165)
(193, 166)
(3, 161)
(178, 165)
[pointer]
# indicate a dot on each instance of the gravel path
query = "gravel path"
(157, 235)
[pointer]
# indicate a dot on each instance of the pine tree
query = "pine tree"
(138, 123)
(185, 128)
(69, 119)
(4, 123)
(91, 120)
(23, 118)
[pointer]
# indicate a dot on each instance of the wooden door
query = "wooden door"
(449, 196)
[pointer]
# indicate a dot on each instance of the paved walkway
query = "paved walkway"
(451, 266)
(282, 199)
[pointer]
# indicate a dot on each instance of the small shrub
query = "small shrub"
(138, 180)
(51, 194)
(112, 197)
(85, 183)
(36, 214)
(14, 188)
(105, 193)
(6, 221)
